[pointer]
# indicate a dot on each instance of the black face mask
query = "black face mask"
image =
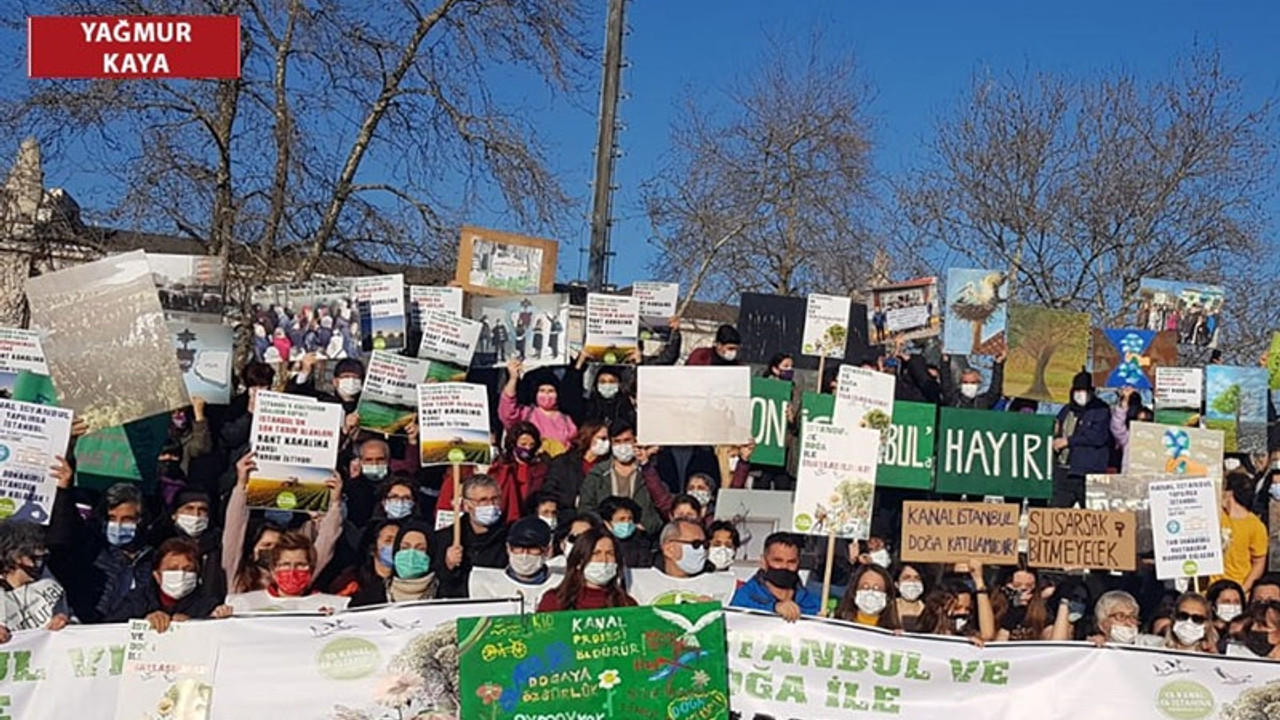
(1258, 643)
(35, 570)
(782, 578)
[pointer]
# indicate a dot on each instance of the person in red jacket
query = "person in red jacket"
(594, 577)
(521, 471)
(723, 352)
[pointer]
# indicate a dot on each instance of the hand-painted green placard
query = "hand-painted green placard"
(769, 400)
(605, 664)
(981, 452)
(907, 459)
(128, 453)
(906, 455)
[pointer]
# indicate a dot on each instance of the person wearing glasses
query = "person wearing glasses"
(483, 540)
(1118, 618)
(684, 549)
(1192, 629)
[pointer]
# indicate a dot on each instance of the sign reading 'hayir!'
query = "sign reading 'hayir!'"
(991, 453)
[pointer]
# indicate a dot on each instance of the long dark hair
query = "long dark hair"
(848, 608)
(1037, 615)
(252, 575)
(774, 361)
(935, 619)
(574, 581)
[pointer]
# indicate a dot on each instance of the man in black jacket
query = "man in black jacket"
(483, 538)
(969, 392)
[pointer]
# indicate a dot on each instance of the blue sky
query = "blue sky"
(919, 56)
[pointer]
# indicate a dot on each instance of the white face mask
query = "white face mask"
(1274, 492)
(729, 355)
(608, 391)
(488, 514)
(1231, 464)
(1228, 611)
(1124, 634)
(600, 447)
(692, 561)
(178, 584)
(721, 557)
(1187, 632)
(734, 460)
(192, 525)
(871, 602)
(910, 590)
(550, 520)
(624, 453)
(969, 390)
(881, 557)
(527, 565)
(600, 573)
(349, 387)
(702, 496)
(1080, 397)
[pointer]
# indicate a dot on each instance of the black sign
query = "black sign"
(774, 323)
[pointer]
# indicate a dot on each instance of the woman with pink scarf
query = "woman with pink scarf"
(557, 428)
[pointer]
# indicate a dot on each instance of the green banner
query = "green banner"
(637, 662)
(906, 459)
(906, 454)
(124, 453)
(769, 400)
(981, 452)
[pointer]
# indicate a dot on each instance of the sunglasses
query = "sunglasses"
(1181, 616)
(696, 544)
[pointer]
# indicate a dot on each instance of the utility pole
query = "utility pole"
(606, 149)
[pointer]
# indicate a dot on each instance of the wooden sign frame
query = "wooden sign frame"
(466, 255)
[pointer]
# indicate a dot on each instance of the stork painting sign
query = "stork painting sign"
(976, 312)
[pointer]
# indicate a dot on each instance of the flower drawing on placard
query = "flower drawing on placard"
(489, 694)
(701, 679)
(398, 690)
(609, 679)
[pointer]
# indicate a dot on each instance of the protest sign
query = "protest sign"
(826, 325)
(987, 453)
(1130, 357)
(1191, 310)
(613, 328)
(1179, 393)
(1071, 539)
(775, 323)
(449, 338)
(756, 514)
(1273, 362)
(955, 532)
(529, 328)
(1125, 493)
(977, 310)
(658, 302)
(191, 287)
(425, 299)
(110, 455)
(693, 405)
(1047, 348)
(1235, 402)
(1185, 527)
(595, 664)
(295, 443)
(389, 400)
(116, 363)
(836, 481)
(769, 420)
(908, 310)
(453, 423)
(204, 352)
(169, 674)
(907, 447)
(380, 299)
(651, 586)
(864, 398)
(31, 436)
(320, 316)
(491, 262)
(1173, 450)
(24, 374)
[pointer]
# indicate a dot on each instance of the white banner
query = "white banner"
(826, 670)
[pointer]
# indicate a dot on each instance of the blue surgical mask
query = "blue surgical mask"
(121, 533)
(488, 514)
(387, 556)
(374, 472)
(1275, 490)
(623, 530)
(397, 508)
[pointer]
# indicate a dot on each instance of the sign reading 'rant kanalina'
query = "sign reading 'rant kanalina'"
(986, 453)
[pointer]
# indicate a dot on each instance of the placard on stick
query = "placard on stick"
(956, 532)
(1072, 539)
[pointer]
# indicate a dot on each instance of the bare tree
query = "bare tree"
(771, 191)
(358, 131)
(1080, 188)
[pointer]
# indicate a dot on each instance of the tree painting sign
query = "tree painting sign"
(1236, 403)
(826, 325)
(1046, 349)
(991, 453)
(666, 662)
(977, 310)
